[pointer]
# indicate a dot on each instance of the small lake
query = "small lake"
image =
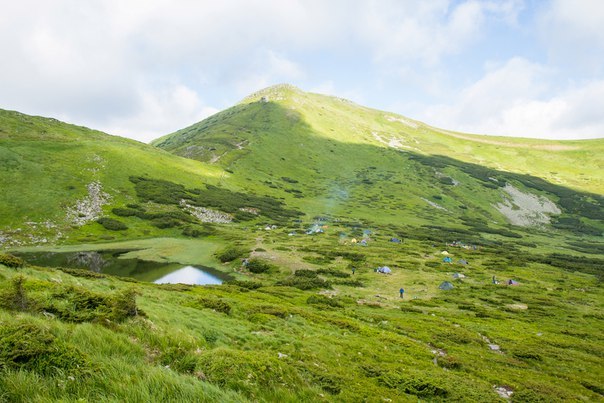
(110, 262)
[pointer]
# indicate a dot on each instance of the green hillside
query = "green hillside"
(328, 156)
(57, 179)
(298, 199)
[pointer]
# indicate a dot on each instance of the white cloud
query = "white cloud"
(574, 33)
(516, 100)
(161, 111)
(145, 67)
(427, 31)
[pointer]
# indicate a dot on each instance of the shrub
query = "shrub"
(25, 345)
(412, 384)
(322, 300)
(333, 272)
(248, 371)
(230, 253)
(191, 232)
(526, 354)
(258, 266)
(11, 261)
(112, 224)
(212, 303)
(305, 273)
(350, 283)
(124, 212)
(273, 310)
(165, 222)
(249, 285)
(15, 298)
(77, 304)
(305, 283)
(82, 273)
(124, 305)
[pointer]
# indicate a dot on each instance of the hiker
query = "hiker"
(494, 280)
(401, 291)
(353, 270)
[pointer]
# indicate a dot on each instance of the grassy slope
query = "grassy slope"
(46, 165)
(361, 163)
(362, 344)
(342, 121)
(277, 345)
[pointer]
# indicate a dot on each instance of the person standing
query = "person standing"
(402, 292)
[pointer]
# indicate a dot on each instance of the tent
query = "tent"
(512, 282)
(363, 242)
(447, 259)
(353, 240)
(444, 252)
(445, 285)
(462, 261)
(458, 276)
(395, 240)
(384, 269)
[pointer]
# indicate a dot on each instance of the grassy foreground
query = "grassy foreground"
(306, 329)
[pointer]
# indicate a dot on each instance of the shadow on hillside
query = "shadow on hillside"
(294, 159)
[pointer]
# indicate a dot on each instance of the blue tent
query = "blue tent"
(462, 261)
(445, 285)
(384, 269)
(395, 240)
(447, 259)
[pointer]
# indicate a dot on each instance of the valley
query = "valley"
(296, 199)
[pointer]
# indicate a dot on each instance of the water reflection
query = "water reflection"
(189, 275)
(108, 262)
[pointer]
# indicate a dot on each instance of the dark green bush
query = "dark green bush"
(123, 304)
(11, 261)
(305, 283)
(29, 346)
(249, 285)
(258, 266)
(248, 371)
(350, 283)
(412, 384)
(77, 304)
(322, 300)
(124, 212)
(231, 253)
(526, 354)
(305, 273)
(112, 224)
(165, 222)
(333, 272)
(15, 298)
(218, 305)
(191, 232)
(82, 273)
(273, 310)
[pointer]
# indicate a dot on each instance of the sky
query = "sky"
(145, 68)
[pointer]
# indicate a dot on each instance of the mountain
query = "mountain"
(330, 157)
(57, 179)
(493, 246)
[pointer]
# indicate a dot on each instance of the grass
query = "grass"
(297, 323)
(228, 343)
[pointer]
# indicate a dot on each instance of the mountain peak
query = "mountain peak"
(273, 93)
